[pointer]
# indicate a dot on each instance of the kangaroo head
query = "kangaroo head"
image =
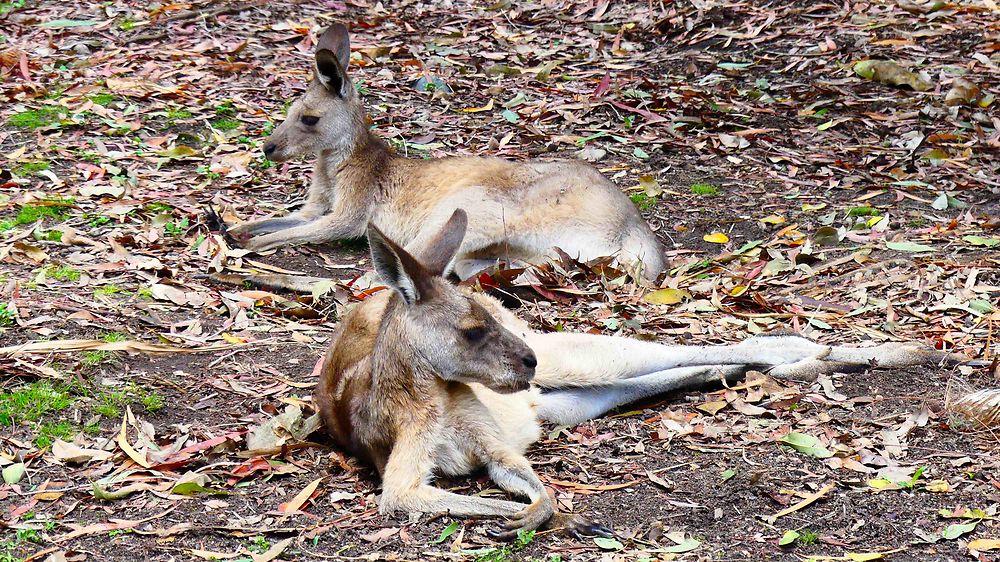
(329, 115)
(445, 327)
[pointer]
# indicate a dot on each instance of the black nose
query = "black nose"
(269, 149)
(530, 361)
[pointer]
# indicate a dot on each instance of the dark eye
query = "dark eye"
(473, 335)
(309, 120)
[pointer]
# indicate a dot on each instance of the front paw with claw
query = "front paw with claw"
(233, 236)
(528, 519)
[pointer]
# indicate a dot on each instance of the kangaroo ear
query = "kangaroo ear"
(331, 74)
(399, 269)
(338, 41)
(440, 252)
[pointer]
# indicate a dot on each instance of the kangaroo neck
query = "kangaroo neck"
(364, 164)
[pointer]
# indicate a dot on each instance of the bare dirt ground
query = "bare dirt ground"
(790, 192)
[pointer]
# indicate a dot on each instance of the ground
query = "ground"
(790, 190)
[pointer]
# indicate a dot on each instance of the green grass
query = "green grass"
(50, 431)
(30, 402)
(6, 315)
(35, 118)
(97, 357)
(706, 189)
(807, 537)
(108, 290)
(11, 6)
(103, 99)
(226, 124)
(63, 273)
(31, 213)
(159, 208)
(112, 337)
(152, 402)
(863, 212)
(176, 228)
(29, 168)
(225, 109)
(643, 201)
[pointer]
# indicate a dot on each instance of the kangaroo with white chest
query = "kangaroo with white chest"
(519, 210)
(429, 378)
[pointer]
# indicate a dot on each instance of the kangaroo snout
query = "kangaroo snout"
(269, 149)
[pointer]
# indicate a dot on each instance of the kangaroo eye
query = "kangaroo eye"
(473, 335)
(309, 120)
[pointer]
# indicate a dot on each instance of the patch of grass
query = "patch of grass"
(50, 431)
(29, 168)
(225, 109)
(98, 357)
(159, 208)
(127, 25)
(259, 544)
(144, 294)
(63, 273)
(643, 201)
(864, 212)
(706, 189)
(54, 208)
(28, 535)
(49, 236)
(226, 124)
(505, 553)
(176, 228)
(103, 99)
(807, 537)
(112, 337)
(30, 402)
(152, 402)
(174, 114)
(11, 6)
(36, 118)
(6, 315)
(108, 290)
(97, 221)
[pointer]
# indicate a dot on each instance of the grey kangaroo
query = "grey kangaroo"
(428, 378)
(519, 211)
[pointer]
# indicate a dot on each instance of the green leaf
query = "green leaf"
(806, 444)
(748, 246)
(981, 241)
(825, 126)
(608, 543)
(60, 24)
(447, 532)
(178, 152)
(509, 116)
(727, 474)
(192, 483)
(788, 538)
(640, 154)
(981, 305)
(941, 203)
(816, 322)
(734, 65)
(12, 474)
(686, 545)
(826, 236)
(955, 530)
(909, 247)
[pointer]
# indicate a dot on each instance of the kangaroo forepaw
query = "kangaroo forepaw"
(215, 224)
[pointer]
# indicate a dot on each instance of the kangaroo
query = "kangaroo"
(519, 210)
(429, 378)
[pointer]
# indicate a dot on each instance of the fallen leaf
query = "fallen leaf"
(806, 444)
(962, 92)
(73, 453)
(909, 247)
(667, 296)
(12, 474)
(981, 545)
(300, 499)
(716, 238)
(891, 73)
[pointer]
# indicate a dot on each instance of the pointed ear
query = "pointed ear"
(330, 73)
(442, 249)
(338, 41)
(399, 269)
